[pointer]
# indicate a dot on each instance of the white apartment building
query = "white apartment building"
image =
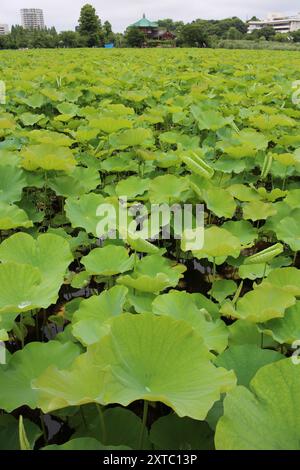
(32, 18)
(4, 29)
(278, 21)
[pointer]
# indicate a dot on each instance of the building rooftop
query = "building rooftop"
(145, 23)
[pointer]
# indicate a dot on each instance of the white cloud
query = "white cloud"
(64, 13)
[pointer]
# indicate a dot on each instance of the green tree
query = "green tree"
(296, 36)
(170, 25)
(134, 37)
(108, 32)
(267, 32)
(194, 35)
(280, 37)
(70, 39)
(234, 33)
(90, 26)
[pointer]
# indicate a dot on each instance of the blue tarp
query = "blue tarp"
(109, 46)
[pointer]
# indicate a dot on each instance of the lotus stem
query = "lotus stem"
(102, 423)
(214, 270)
(295, 258)
(144, 423)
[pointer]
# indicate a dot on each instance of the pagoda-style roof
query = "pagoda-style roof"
(145, 23)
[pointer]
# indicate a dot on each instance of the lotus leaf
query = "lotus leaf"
(151, 358)
(270, 402)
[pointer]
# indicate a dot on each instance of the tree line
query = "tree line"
(91, 32)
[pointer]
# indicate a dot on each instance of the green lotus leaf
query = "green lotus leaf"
(243, 230)
(173, 433)
(287, 279)
(203, 302)
(243, 193)
(82, 211)
(285, 330)
(140, 301)
(8, 158)
(153, 274)
(68, 109)
(108, 261)
(3, 334)
(132, 187)
(7, 123)
(90, 321)
(83, 383)
(110, 125)
(293, 199)
(211, 120)
(50, 254)
(254, 271)
(222, 289)
(272, 402)
(34, 101)
(80, 280)
(19, 284)
(12, 183)
(243, 332)
(120, 163)
(131, 138)
(83, 443)
(258, 210)
(144, 357)
(77, 183)
(268, 122)
(139, 244)
(12, 216)
(47, 157)
(120, 109)
(243, 144)
(182, 306)
(26, 365)
(183, 141)
(230, 165)
(246, 360)
(9, 432)
(44, 136)
(220, 202)
(272, 196)
(288, 230)
(29, 119)
(85, 134)
(218, 244)
(167, 189)
(261, 304)
(122, 427)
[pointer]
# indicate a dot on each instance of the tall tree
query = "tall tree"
(194, 35)
(90, 26)
(134, 37)
(108, 33)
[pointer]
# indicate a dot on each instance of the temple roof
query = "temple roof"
(145, 23)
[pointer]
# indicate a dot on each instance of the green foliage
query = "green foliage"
(90, 27)
(131, 343)
(134, 37)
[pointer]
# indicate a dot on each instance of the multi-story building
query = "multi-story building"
(4, 29)
(278, 21)
(32, 18)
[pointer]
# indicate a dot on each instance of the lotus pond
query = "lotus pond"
(134, 344)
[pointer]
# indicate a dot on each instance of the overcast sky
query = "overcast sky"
(63, 14)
